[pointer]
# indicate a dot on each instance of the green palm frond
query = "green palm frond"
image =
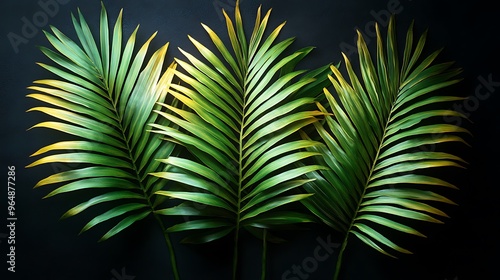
(371, 136)
(240, 111)
(103, 97)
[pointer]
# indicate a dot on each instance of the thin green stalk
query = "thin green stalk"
(235, 254)
(264, 254)
(240, 185)
(339, 259)
(173, 262)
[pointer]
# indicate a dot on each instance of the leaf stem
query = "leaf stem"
(173, 262)
(238, 214)
(339, 258)
(240, 187)
(235, 254)
(264, 255)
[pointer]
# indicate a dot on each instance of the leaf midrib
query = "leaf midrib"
(374, 163)
(125, 140)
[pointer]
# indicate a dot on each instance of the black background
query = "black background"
(466, 247)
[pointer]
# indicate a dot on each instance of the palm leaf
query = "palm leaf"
(376, 176)
(103, 98)
(238, 121)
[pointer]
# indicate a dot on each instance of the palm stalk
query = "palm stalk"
(102, 99)
(371, 137)
(264, 255)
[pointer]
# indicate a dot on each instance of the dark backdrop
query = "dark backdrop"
(466, 247)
